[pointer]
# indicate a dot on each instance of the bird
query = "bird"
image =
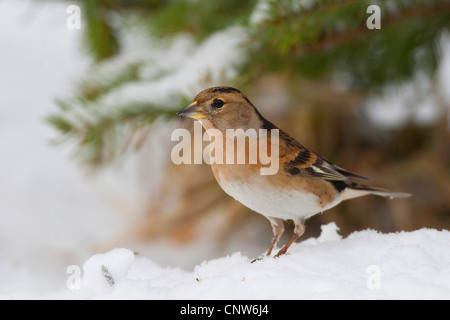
(304, 185)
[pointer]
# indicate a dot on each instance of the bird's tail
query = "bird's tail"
(359, 190)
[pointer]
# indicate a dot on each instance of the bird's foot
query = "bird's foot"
(268, 254)
(283, 251)
(261, 257)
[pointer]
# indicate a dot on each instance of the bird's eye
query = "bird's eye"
(218, 103)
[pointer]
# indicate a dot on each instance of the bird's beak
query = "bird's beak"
(193, 111)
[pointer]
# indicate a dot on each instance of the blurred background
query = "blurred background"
(88, 104)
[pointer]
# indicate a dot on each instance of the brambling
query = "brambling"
(305, 183)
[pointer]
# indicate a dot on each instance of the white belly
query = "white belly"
(279, 204)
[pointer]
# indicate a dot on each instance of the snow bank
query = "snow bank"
(366, 265)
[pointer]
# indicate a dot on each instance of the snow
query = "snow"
(365, 265)
(113, 266)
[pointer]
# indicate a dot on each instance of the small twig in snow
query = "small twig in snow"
(108, 276)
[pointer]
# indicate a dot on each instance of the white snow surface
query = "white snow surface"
(365, 265)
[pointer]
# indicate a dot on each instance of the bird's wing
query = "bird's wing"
(298, 160)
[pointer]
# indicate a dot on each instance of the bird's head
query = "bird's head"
(223, 108)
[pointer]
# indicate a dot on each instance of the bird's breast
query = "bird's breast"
(275, 196)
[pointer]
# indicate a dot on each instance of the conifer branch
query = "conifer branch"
(337, 39)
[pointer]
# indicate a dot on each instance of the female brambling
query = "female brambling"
(305, 183)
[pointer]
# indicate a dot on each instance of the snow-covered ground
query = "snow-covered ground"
(51, 214)
(365, 265)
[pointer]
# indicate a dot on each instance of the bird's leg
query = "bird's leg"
(278, 229)
(299, 230)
